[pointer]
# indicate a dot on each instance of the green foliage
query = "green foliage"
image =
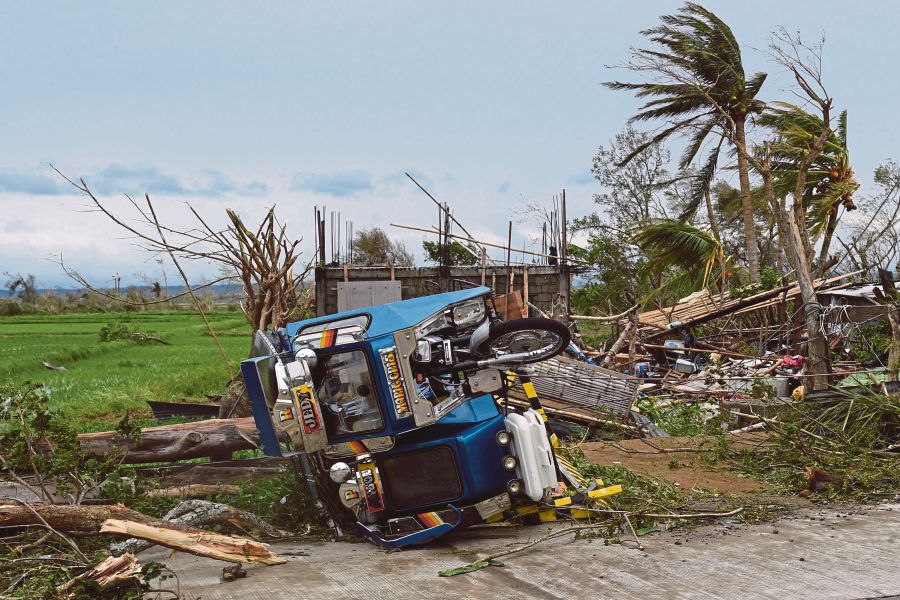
(670, 244)
(769, 278)
(830, 179)
(458, 253)
(374, 247)
(114, 331)
(847, 440)
(611, 280)
(872, 342)
(36, 439)
(30, 575)
(703, 77)
(283, 500)
(639, 492)
(697, 418)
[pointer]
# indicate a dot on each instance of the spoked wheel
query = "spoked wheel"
(537, 339)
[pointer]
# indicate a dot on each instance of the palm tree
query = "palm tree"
(701, 88)
(829, 184)
(669, 243)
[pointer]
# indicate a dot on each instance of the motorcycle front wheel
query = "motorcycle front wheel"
(541, 338)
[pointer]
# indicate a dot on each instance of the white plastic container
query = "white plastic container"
(531, 446)
(684, 366)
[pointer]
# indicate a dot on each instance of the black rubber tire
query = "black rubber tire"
(529, 324)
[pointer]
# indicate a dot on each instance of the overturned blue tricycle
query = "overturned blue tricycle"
(397, 412)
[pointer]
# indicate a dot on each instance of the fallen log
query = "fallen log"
(118, 520)
(193, 490)
(216, 438)
(67, 518)
(214, 473)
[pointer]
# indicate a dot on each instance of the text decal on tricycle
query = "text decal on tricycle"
(391, 363)
(306, 404)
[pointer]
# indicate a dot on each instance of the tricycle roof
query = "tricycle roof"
(394, 316)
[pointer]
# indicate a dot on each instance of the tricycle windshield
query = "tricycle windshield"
(345, 391)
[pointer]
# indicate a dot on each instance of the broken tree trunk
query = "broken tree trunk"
(617, 345)
(203, 543)
(196, 513)
(118, 520)
(216, 438)
(67, 518)
(893, 367)
(113, 572)
(818, 360)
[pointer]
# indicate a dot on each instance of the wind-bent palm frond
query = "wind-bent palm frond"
(701, 183)
(830, 181)
(703, 50)
(675, 244)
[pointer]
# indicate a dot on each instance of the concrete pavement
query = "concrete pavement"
(833, 553)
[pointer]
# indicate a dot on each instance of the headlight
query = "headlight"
(340, 472)
(509, 463)
(514, 487)
(503, 438)
(432, 324)
(469, 312)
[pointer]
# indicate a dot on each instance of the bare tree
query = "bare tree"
(264, 259)
(875, 239)
(804, 62)
(23, 286)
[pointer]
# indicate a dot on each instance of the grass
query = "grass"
(103, 380)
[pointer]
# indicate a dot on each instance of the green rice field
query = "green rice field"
(103, 380)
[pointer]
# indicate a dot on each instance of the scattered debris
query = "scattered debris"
(233, 572)
(118, 520)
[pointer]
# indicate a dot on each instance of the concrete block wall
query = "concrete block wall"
(543, 282)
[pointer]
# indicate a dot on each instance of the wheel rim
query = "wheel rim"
(529, 340)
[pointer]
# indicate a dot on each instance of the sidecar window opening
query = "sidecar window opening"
(346, 391)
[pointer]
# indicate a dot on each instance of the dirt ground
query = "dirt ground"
(646, 457)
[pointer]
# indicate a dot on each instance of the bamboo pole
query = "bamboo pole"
(460, 237)
(525, 289)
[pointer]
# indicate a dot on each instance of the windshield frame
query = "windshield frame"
(376, 384)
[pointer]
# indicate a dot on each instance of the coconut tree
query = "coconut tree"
(829, 183)
(700, 89)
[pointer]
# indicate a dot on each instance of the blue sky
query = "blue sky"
(242, 105)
